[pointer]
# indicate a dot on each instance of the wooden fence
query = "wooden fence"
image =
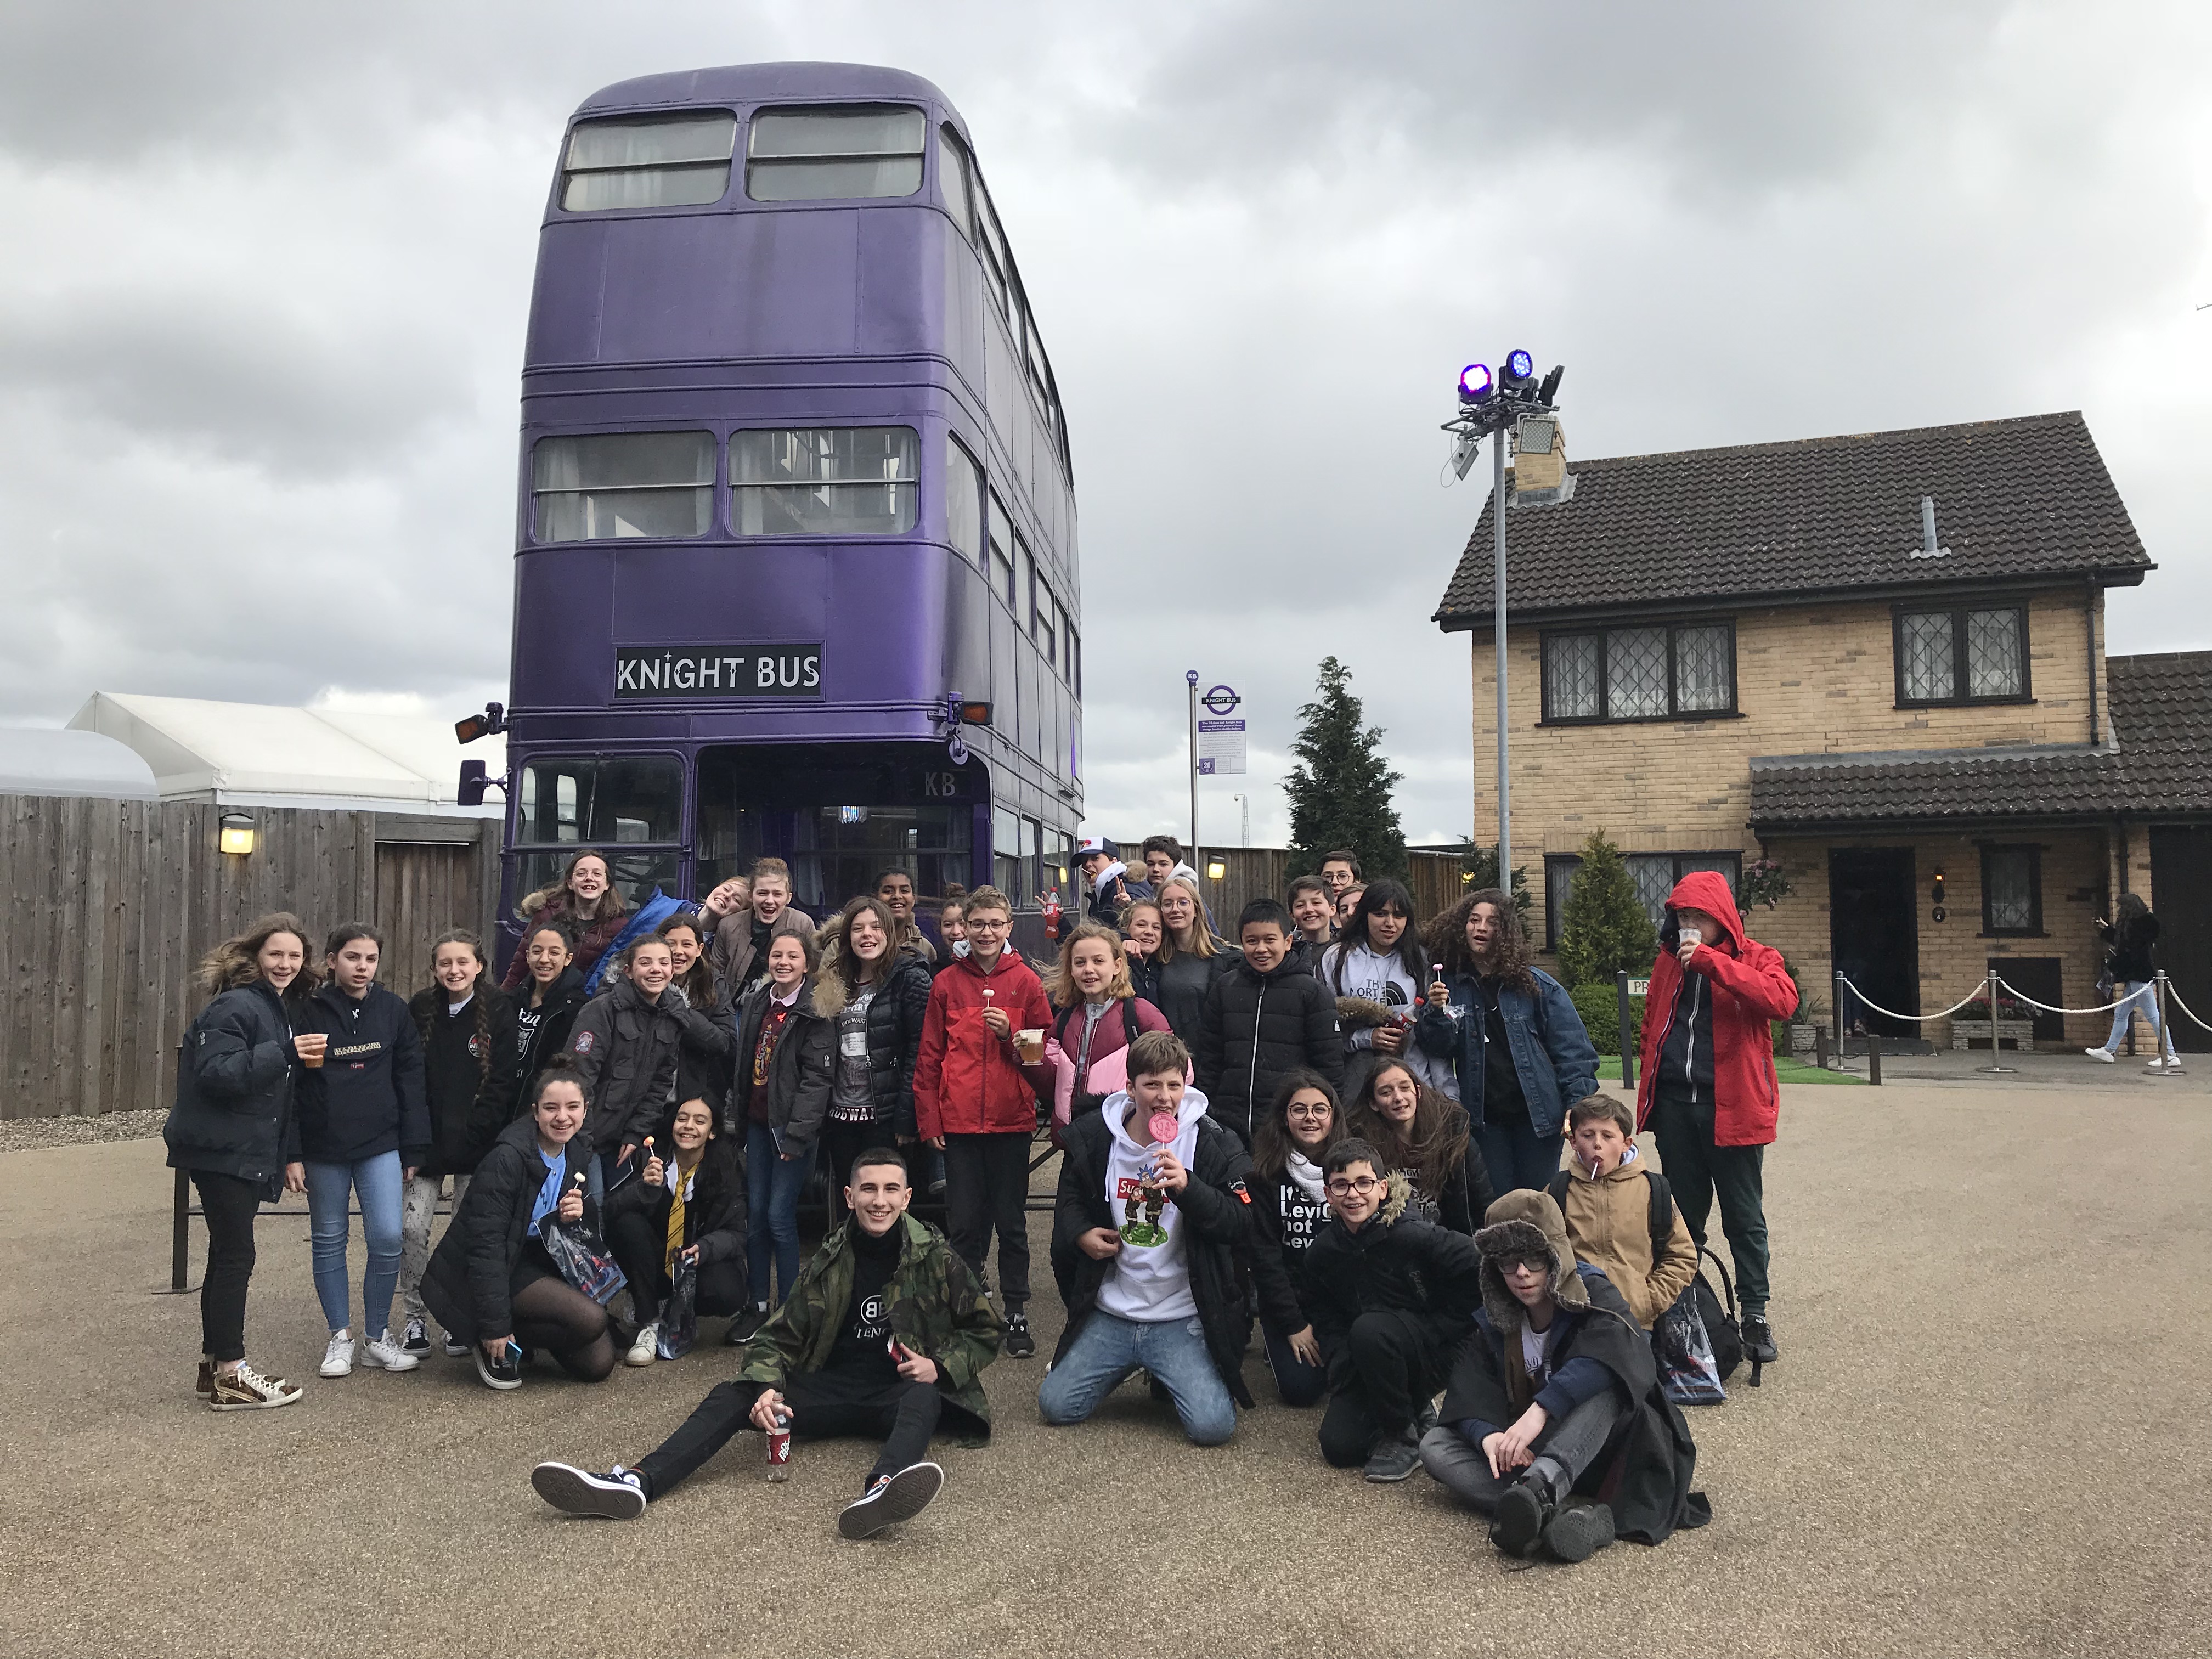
(108, 905)
(1250, 872)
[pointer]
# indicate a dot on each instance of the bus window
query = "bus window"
(1074, 661)
(622, 483)
(1034, 354)
(964, 500)
(1006, 852)
(824, 480)
(1060, 865)
(952, 179)
(844, 155)
(995, 263)
(1031, 835)
(681, 160)
(1002, 560)
(564, 800)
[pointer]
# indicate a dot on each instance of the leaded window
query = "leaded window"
(1962, 655)
(1640, 673)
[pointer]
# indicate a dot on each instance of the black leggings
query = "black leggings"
(904, 1414)
(552, 1315)
(639, 1239)
(229, 1206)
(987, 1185)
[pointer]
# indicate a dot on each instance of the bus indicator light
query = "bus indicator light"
(975, 713)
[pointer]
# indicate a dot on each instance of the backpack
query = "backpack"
(1087, 1100)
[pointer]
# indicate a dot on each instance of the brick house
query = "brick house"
(1879, 661)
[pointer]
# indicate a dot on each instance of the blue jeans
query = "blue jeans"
(2137, 996)
(771, 1189)
(1300, 1384)
(331, 1188)
(1517, 1157)
(1174, 1350)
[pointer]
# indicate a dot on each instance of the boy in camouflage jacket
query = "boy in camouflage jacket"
(886, 1334)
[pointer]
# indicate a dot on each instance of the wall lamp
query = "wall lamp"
(1215, 870)
(235, 833)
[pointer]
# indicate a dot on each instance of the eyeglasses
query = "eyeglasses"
(1535, 1264)
(1306, 1108)
(1355, 1184)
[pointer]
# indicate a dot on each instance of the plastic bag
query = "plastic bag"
(679, 1315)
(584, 1261)
(1688, 1370)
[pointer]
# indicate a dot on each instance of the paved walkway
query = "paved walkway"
(1986, 1437)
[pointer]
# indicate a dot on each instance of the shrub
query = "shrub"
(1606, 928)
(1600, 1007)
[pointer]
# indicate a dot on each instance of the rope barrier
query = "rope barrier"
(2174, 997)
(2018, 995)
(1918, 1019)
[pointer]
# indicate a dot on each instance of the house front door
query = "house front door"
(1874, 935)
(2181, 899)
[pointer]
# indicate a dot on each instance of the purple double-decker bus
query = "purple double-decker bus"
(794, 496)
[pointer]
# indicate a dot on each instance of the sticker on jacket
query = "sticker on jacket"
(582, 1042)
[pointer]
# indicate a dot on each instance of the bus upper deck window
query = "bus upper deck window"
(833, 155)
(952, 178)
(622, 483)
(964, 500)
(678, 162)
(824, 481)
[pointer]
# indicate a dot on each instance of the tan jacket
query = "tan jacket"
(1610, 1222)
(731, 950)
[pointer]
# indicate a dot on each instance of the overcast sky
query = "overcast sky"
(262, 297)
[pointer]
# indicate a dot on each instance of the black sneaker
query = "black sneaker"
(417, 1338)
(1397, 1457)
(891, 1499)
(1518, 1526)
(1020, 1344)
(742, 1327)
(507, 1374)
(1579, 1530)
(454, 1347)
(617, 1494)
(1759, 1340)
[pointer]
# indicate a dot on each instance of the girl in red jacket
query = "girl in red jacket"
(975, 1101)
(1709, 1095)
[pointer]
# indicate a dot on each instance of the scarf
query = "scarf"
(679, 1189)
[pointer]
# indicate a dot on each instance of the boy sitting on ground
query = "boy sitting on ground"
(1389, 1295)
(1554, 1399)
(1151, 1213)
(1621, 1214)
(887, 1333)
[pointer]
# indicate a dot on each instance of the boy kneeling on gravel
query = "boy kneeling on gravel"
(1554, 1425)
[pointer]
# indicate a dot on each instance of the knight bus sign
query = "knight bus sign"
(718, 671)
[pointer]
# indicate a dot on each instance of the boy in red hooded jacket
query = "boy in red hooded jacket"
(1709, 1095)
(975, 1102)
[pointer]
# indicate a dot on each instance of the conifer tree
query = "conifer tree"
(1606, 928)
(1339, 790)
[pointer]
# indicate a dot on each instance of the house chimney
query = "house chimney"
(1929, 548)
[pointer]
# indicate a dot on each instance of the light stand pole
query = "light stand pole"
(1498, 635)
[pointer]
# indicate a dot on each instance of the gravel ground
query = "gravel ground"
(27, 1134)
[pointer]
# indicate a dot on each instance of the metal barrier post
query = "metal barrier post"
(1628, 1051)
(179, 1239)
(2162, 1043)
(1873, 1056)
(1839, 1014)
(1997, 1058)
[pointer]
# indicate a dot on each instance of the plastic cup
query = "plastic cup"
(1031, 1043)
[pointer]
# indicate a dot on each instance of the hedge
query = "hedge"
(1600, 1007)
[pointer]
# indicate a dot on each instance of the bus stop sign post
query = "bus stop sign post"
(1190, 679)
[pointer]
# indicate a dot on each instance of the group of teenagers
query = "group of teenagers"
(1339, 1128)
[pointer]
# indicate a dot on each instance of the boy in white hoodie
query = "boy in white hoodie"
(1153, 1207)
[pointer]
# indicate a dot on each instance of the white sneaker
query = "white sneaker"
(338, 1358)
(246, 1390)
(646, 1349)
(2156, 1065)
(2173, 1064)
(2102, 1054)
(382, 1353)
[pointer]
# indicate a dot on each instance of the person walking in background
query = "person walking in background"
(237, 1070)
(626, 1042)
(2129, 940)
(545, 1009)
(740, 946)
(586, 899)
(1290, 1206)
(364, 1131)
(467, 1028)
(688, 1201)
(876, 995)
(1511, 1036)
(491, 1282)
(786, 1059)
(974, 1101)
(1709, 1095)
(1190, 958)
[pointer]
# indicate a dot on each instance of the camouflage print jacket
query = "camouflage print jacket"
(938, 1308)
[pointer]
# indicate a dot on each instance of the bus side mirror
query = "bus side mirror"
(475, 778)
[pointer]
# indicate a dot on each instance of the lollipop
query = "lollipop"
(1163, 1126)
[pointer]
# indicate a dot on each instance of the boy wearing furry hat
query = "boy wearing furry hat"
(1555, 1399)
(1609, 1195)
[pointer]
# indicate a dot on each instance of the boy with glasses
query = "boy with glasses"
(1390, 1295)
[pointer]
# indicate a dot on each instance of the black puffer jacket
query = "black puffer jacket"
(468, 1073)
(1256, 1027)
(2127, 947)
(235, 1071)
(626, 1048)
(1182, 984)
(556, 1018)
(1397, 1263)
(713, 1216)
(485, 1254)
(895, 1015)
(799, 1075)
(1216, 1228)
(702, 1053)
